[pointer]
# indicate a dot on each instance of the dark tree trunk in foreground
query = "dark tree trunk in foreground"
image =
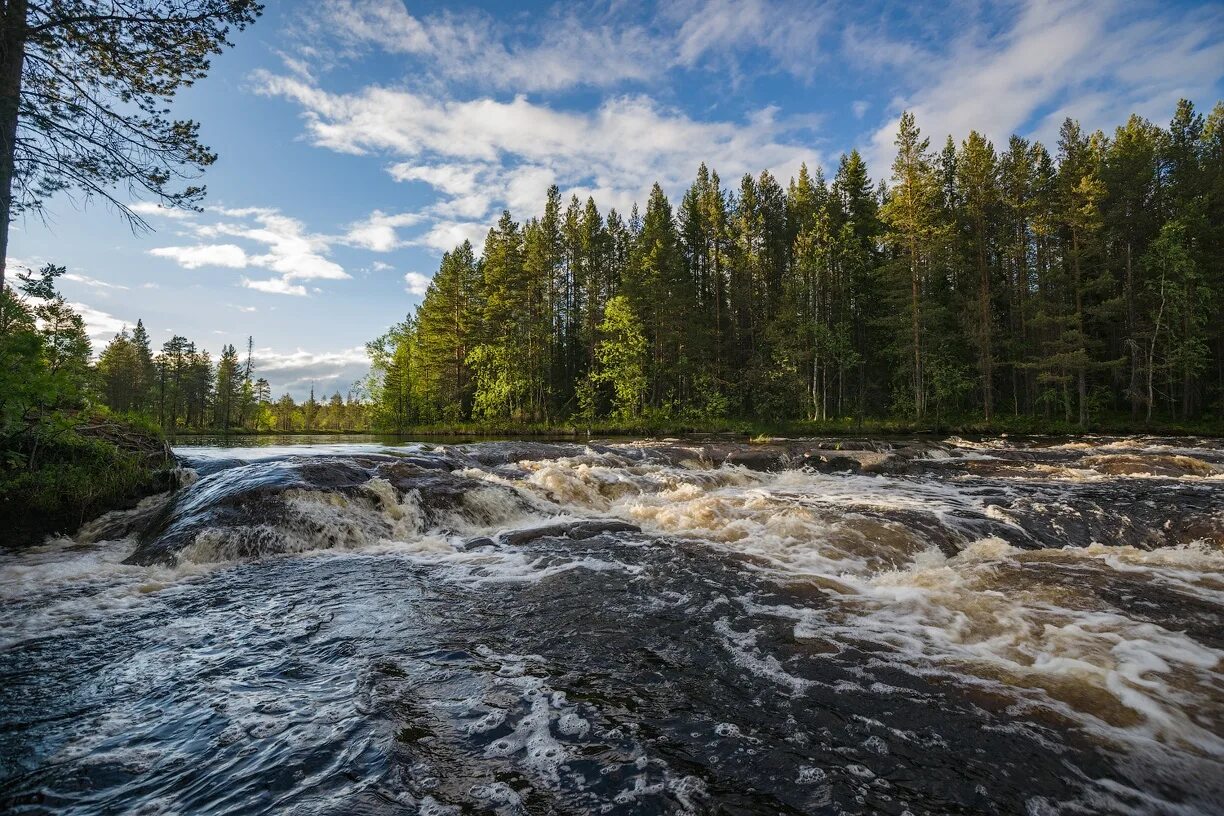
(12, 56)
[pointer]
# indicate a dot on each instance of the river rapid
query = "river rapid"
(807, 627)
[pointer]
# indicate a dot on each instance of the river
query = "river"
(897, 627)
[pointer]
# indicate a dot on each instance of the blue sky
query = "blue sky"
(359, 139)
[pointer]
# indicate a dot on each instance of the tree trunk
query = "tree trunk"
(1187, 374)
(12, 58)
(1151, 372)
(1131, 344)
(984, 308)
(1081, 377)
(916, 326)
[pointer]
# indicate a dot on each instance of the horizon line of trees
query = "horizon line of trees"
(180, 388)
(51, 369)
(974, 282)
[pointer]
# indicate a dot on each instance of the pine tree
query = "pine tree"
(147, 374)
(1081, 193)
(911, 213)
(119, 374)
(227, 388)
(977, 185)
(448, 328)
(654, 285)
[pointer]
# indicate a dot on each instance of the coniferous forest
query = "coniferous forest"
(1064, 284)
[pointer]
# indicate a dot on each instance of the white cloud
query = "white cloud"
(149, 208)
(99, 325)
(1095, 61)
(482, 154)
(473, 47)
(377, 232)
(291, 251)
(595, 46)
(297, 370)
(416, 283)
(788, 32)
(194, 257)
(860, 107)
(275, 286)
(287, 249)
(93, 282)
(446, 235)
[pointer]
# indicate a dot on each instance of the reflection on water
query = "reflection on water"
(841, 627)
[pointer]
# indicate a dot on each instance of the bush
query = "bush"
(65, 470)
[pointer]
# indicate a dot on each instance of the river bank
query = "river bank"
(748, 428)
(70, 467)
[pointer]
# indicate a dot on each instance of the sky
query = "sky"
(360, 139)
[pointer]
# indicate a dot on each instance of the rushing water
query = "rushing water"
(804, 627)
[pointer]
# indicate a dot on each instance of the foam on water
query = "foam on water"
(937, 573)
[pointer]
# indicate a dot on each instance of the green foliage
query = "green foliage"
(62, 460)
(501, 388)
(622, 356)
(1011, 285)
(56, 478)
(95, 83)
(391, 383)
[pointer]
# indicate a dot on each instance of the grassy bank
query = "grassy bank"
(67, 468)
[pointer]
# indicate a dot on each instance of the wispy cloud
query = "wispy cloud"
(599, 45)
(473, 47)
(92, 282)
(484, 153)
(275, 286)
(1094, 61)
(101, 326)
(295, 371)
(150, 209)
(194, 257)
(282, 245)
(377, 232)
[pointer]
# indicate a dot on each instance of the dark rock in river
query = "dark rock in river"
(312, 503)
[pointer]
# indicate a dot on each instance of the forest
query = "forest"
(974, 283)
(177, 388)
(183, 390)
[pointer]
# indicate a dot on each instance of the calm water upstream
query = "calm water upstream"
(809, 627)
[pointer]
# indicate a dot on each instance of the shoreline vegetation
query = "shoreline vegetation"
(72, 467)
(748, 429)
(65, 457)
(1060, 288)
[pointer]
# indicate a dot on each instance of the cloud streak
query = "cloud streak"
(1094, 61)
(295, 371)
(481, 154)
(279, 243)
(597, 46)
